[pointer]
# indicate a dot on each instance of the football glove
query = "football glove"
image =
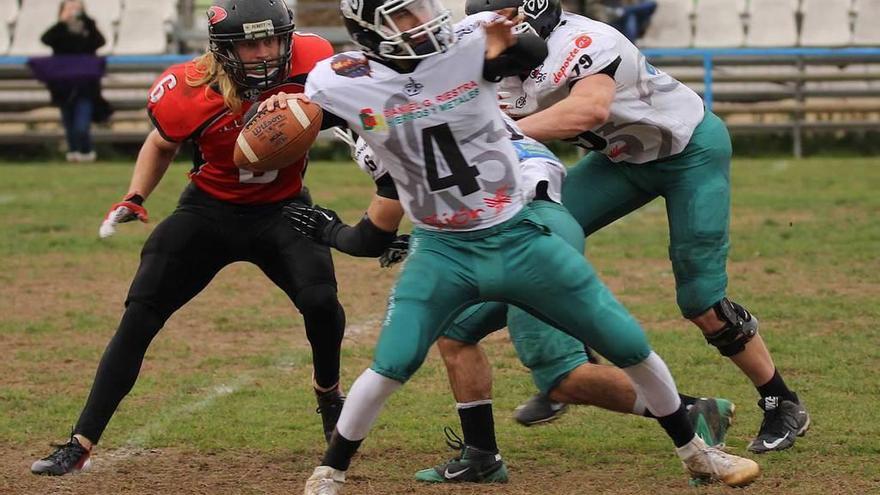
(395, 252)
(317, 223)
(130, 208)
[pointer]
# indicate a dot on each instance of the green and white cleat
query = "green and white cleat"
(472, 466)
(711, 418)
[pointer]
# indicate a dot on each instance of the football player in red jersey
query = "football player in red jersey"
(225, 214)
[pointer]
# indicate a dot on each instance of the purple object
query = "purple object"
(67, 68)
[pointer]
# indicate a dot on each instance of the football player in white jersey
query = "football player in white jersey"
(649, 136)
(422, 95)
(558, 362)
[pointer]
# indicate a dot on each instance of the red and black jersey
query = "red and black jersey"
(181, 112)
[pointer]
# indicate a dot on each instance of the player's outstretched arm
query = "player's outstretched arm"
(152, 162)
(368, 238)
(587, 106)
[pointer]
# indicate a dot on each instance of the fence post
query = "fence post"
(707, 81)
(797, 126)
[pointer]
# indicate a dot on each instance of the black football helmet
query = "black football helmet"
(231, 21)
(398, 29)
(542, 15)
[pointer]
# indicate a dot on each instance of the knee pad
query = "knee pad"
(741, 327)
(317, 299)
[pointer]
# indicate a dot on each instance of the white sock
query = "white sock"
(468, 405)
(639, 406)
(655, 385)
(364, 402)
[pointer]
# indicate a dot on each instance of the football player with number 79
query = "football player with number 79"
(423, 99)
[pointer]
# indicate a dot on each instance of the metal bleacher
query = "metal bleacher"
(764, 65)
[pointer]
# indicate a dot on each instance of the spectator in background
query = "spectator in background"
(630, 17)
(78, 97)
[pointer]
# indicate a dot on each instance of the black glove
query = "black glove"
(316, 223)
(395, 252)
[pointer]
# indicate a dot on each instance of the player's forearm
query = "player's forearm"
(363, 239)
(152, 162)
(374, 233)
(566, 119)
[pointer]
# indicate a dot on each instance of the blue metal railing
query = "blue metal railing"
(708, 56)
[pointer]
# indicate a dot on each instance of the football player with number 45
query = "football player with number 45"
(422, 94)
(225, 214)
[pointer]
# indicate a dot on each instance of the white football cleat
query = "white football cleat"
(325, 481)
(708, 464)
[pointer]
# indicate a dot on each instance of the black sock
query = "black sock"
(478, 427)
(340, 451)
(776, 388)
(678, 427)
(686, 400)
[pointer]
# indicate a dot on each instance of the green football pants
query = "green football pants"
(519, 262)
(550, 354)
(696, 187)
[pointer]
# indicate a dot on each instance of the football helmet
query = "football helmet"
(399, 29)
(231, 21)
(542, 15)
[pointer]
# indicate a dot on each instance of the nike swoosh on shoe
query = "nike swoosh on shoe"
(452, 475)
(775, 443)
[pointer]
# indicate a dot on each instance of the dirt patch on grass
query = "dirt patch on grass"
(248, 472)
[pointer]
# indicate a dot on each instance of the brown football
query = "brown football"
(277, 139)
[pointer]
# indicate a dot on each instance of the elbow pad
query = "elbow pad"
(364, 239)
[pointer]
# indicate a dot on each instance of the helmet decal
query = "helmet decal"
(356, 6)
(534, 8)
(216, 14)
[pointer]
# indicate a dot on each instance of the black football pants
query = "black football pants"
(182, 255)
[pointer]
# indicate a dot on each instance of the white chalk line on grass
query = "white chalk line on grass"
(133, 445)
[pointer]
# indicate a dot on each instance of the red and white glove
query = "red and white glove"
(130, 208)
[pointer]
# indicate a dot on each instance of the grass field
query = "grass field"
(223, 404)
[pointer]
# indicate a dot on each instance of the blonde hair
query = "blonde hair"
(209, 72)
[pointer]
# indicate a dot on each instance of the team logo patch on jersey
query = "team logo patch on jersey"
(216, 14)
(371, 121)
(534, 8)
(583, 41)
(348, 66)
(413, 87)
(538, 75)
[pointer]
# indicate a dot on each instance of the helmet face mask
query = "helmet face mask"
(542, 15)
(235, 21)
(399, 29)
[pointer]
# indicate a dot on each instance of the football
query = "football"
(277, 139)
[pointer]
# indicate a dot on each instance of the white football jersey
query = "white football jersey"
(438, 130)
(653, 115)
(537, 163)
